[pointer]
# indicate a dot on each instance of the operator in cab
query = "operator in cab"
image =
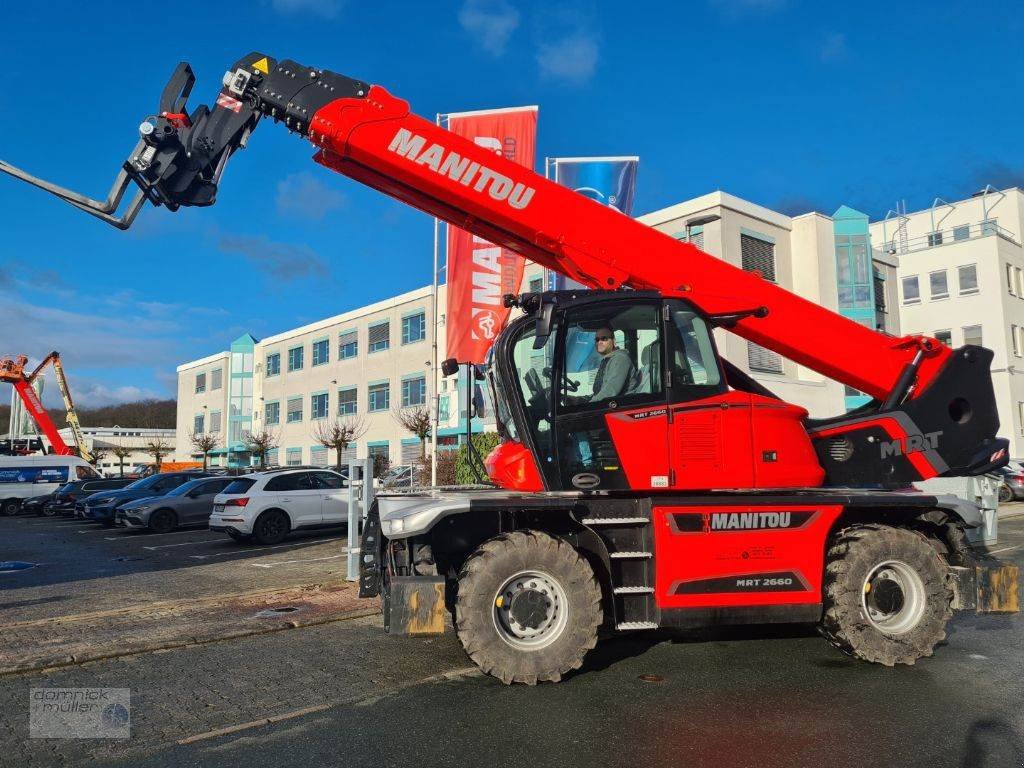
(616, 372)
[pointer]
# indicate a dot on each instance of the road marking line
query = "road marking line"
(255, 723)
(181, 544)
(146, 537)
(1004, 549)
(259, 549)
(302, 560)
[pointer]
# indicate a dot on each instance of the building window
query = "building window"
(972, 335)
(273, 414)
(295, 358)
(215, 422)
(758, 255)
(379, 396)
(200, 383)
(274, 364)
(318, 406)
(294, 409)
(911, 291)
(536, 285)
(216, 379)
(1019, 274)
(318, 456)
(294, 457)
(968, 277)
(378, 449)
(348, 345)
(938, 284)
(271, 458)
(380, 336)
(321, 352)
(989, 227)
(1015, 340)
(962, 232)
(934, 238)
(197, 425)
(414, 328)
(1010, 282)
(347, 402)
(414, 391)
(946, 337)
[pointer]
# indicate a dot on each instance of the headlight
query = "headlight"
(391, 527)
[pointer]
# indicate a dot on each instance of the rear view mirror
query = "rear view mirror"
(544, 318)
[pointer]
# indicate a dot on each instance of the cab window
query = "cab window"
(533, 377)
(611, 355)
(693, 363)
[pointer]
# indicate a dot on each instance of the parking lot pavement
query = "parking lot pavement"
(345, 692)
(95, 592)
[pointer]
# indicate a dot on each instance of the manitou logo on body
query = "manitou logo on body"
(913, 444)
(461, 169)
(750, 521)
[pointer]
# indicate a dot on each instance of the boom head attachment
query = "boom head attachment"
(180, 156)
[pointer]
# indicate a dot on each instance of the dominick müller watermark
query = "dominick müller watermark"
(79, 713)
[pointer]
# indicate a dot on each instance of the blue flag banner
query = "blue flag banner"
(610, 181)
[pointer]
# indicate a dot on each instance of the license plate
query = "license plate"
(218, 507)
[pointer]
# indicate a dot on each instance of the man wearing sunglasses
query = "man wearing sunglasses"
(616, 370)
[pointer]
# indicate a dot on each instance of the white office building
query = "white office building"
(961, 275)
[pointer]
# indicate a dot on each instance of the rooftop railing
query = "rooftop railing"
(895, 245)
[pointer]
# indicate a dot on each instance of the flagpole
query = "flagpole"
(433, 357)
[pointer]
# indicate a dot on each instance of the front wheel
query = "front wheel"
(528, 607)
(163, 521)
(886, 595)
(1005, 494)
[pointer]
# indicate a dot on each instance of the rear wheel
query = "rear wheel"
(1005, 493)
(163, 521)
(271, 527)
(10, 507)
(886, 595)
(528, 607)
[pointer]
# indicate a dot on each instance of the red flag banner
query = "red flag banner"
(480, 273)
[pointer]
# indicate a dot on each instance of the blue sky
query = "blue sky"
(794, 105)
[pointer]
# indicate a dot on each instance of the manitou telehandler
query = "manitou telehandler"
(690, 495)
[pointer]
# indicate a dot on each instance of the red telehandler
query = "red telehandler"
(12, 371)
(677, 492)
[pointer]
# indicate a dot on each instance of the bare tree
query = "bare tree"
(98, 455)
(121, 452)
(204, 442)
(260, 444)
(416, 419)
(157, 448)
(339, 434)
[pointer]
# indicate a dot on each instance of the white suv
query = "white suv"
(266, 506)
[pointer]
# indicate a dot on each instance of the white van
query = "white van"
(22, 477)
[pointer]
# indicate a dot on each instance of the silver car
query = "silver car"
(189, 504)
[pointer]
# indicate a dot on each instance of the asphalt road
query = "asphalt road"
(344, 693)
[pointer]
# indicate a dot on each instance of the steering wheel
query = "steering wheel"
(568, 383)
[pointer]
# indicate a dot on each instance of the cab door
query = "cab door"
(611, 418)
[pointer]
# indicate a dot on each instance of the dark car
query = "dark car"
(62, 502)
(102, 507)
(1011, 482)
(34, 504)
(189, 504)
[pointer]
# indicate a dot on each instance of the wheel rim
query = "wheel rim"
(530, 610)
(272, 525)
(893, 597)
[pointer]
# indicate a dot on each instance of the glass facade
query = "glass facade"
(240, 400)
(858, 281)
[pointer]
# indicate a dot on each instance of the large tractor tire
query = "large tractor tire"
(528, 607)
(887, 599)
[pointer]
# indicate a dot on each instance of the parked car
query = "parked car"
(267, 506)
(22, 477)
(63, 500)
(102, 506)
(399, 476)
(189, 504)
(1011, 482)
(34, 504)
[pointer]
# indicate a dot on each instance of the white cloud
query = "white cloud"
(490, 22)
(304, 196)
(90, 393)
(834, 48)
(327, 9)
(571, 59)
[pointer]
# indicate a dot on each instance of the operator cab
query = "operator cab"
(625, 390)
